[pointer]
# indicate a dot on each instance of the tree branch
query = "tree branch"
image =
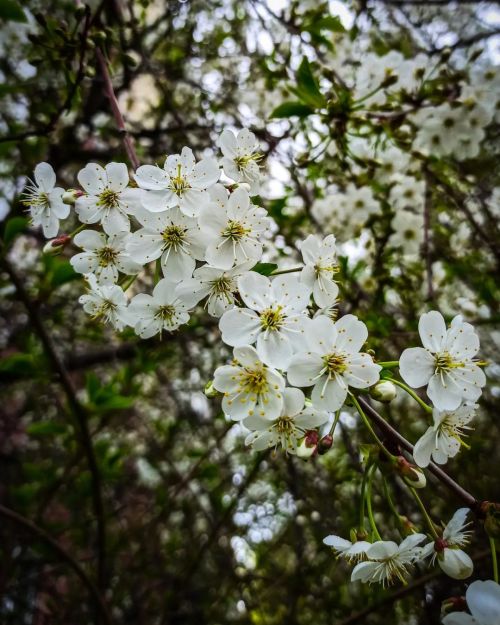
(63, 554)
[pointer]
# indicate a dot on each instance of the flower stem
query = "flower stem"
(423, 509)
(129, 282)
(281, 271)
(334, 424)
(77, 230)
(371, 518)
(411, 393)
(494, 559)
(370, 429)
(389, 364)
(157, 271)
(392, 507)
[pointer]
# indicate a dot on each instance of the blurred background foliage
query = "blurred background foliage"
(177, 522)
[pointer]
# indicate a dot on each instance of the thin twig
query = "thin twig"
(120, 122)
(78, 411)
(64, 555)
(395, 436)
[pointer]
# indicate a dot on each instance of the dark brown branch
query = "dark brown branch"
(78, 411)
(115, 109)
(396, 437)
(63, 554)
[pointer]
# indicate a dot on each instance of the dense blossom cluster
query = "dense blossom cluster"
(200, 240)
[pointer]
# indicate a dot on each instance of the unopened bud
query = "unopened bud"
(55, 246)
(70, 196)
(390, 80)
(307, 447)
(454, 604)
(410, 473)
(490, 512)
(99, 37)
(80, 11)
(210, 390)
(325, 444)
(383, 391)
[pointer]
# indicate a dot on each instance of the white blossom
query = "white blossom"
(44, 200)
(181, 182)
(275, 318)
(291, 425)
(241, 157)
(447, 550)
(171, 236)
(408, 232)
(352, 552)
(320, 267)
(386, 560)
(232, 228)
(443, 439)
(103, 256)
(249, 386)
(331, 361)
(445, 363)
(107, 198)
(219, 286)
(166, 309)
(483, 601)
(107, 302)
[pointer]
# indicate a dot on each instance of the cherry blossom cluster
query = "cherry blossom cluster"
(191, 228)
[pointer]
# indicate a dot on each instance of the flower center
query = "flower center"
(254, 381)
(109, 199)
(174, 236)
(272, 318)
(106, 310)
(165, 313)
(36, 199)
(107, 256)
(335, 364)
(243, 161)
(222, 286)
(331, 269)
(179, 183)
(235, 231)
(443, 362)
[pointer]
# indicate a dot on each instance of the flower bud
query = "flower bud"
(325, 444)
(453, 604)
(410, 473)
(307, 447)
(383, 391)
(55, 246)
(70, 196)
(490, 512)
(210, 391)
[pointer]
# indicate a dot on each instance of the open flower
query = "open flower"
(275, 317)
(445, 363)
(447, 550)
(483, 601)
(443, 439)
(103, 256)
(386, 560)
(233, 228)
(285, 430)
(44, 200)
(217, 285)
(241, 157)
(320, 268)
(332, 361)
(107, 198)
(165, 309)
(249, 386)
(182, 182)
(107, 302)
(173, 237)
(352, 552)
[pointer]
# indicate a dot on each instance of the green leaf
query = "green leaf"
(18, 365)
(307, 86)
(45, 428)
(13, 227)
(292, 109)
(11, 11)
(265, 269)
(329, 22)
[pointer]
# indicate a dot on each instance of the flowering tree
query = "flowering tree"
(250, 302)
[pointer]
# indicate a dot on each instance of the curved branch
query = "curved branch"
(63, 554)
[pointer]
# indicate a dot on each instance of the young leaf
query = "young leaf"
(265, 269)
(292, 109)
